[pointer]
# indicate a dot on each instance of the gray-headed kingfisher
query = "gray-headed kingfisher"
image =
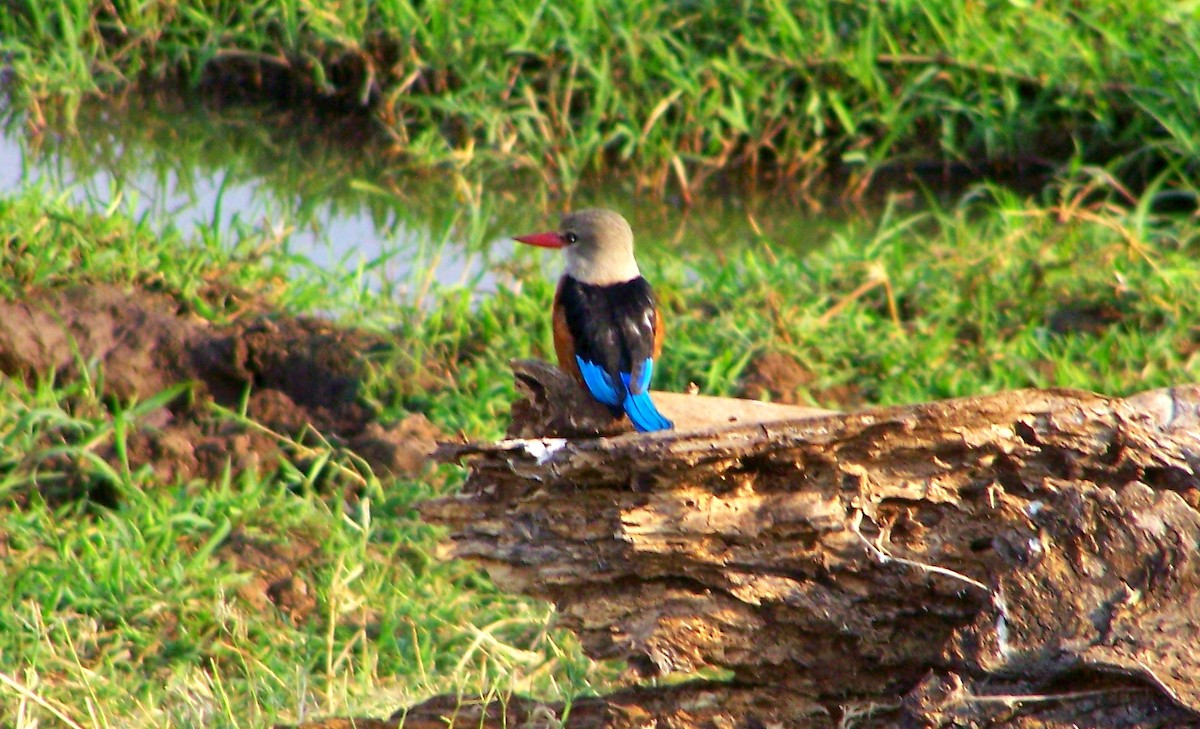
(607, 330)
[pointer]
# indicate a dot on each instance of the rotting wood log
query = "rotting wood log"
(1027, 558)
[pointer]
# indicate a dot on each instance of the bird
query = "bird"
(607, 330)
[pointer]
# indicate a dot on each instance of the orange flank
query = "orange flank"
(564, 343)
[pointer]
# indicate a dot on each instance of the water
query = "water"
(336, 202)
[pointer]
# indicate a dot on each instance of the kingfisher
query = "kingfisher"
(607, 330)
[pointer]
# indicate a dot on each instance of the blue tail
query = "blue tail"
(640, 408)
(637, 403)
(642, 413)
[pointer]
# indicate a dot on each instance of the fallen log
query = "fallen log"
(1027, 558)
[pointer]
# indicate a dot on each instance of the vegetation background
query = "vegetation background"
(1004, 196)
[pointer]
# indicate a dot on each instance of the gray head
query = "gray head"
(602, 253)
(598, 245)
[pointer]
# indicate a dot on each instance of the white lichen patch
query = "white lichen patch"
(543, 449)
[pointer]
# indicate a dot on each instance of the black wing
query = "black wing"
(611, 326)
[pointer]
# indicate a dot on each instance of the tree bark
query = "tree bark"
(1027, 558)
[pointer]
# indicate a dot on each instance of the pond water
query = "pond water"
(331, 201)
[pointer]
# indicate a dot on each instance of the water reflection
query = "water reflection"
(339, 202)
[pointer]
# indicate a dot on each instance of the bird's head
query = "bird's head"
(598, 245)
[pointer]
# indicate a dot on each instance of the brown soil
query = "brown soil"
(292, 375)
(277, 571)
(1086, 317)
(778, 377)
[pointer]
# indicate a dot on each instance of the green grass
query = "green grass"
(671, 91)
(50, 242)
(127, 617)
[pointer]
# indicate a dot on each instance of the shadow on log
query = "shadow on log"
(1021, 559)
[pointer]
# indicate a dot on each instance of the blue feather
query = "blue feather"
(642, 413)
(639, 407)
(598, 382)
(643, 381)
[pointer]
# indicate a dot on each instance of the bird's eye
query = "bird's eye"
(570, 238)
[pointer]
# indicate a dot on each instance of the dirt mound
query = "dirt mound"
(295, 377)
(778, 377)
(277, 570)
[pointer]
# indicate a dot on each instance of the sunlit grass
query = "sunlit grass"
(136, 609)
(673, 91)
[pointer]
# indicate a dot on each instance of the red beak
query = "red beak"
(543, 240)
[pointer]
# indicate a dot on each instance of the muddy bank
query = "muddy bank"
(298, 378)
